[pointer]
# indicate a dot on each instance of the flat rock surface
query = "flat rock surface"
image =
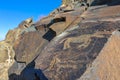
(107, 64)
(72, 51)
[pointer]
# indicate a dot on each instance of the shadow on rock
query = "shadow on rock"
(105, 2)
(49, 35)
(29, 73)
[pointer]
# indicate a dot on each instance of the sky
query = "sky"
(12, 12)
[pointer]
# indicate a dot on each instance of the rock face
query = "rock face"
(6, 59)
(77, 44)
(72, 52)
(106, 66)
(90, 2)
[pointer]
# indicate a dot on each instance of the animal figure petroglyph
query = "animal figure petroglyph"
(84, 39)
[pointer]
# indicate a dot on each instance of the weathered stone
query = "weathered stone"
(72, 43)
(6, 59)
(72, 53)
(106, 66)
(26, 23)
(29, 46)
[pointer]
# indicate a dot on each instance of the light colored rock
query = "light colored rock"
(29, 20)
(6, 59)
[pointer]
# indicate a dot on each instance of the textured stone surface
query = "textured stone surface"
(6, 59)
(7, 52)
(29, 46)
(68, 49)
(107, 64)
(74, 50)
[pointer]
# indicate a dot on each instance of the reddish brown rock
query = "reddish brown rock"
(29, 46)
(71, 52)
(72, 42)
(107, 64)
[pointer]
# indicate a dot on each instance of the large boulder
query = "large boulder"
(70, 53)
(65, 50)
(106, 66)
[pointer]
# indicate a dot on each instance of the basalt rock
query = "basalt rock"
(69, 55)
(70, 45)
(106, 66)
